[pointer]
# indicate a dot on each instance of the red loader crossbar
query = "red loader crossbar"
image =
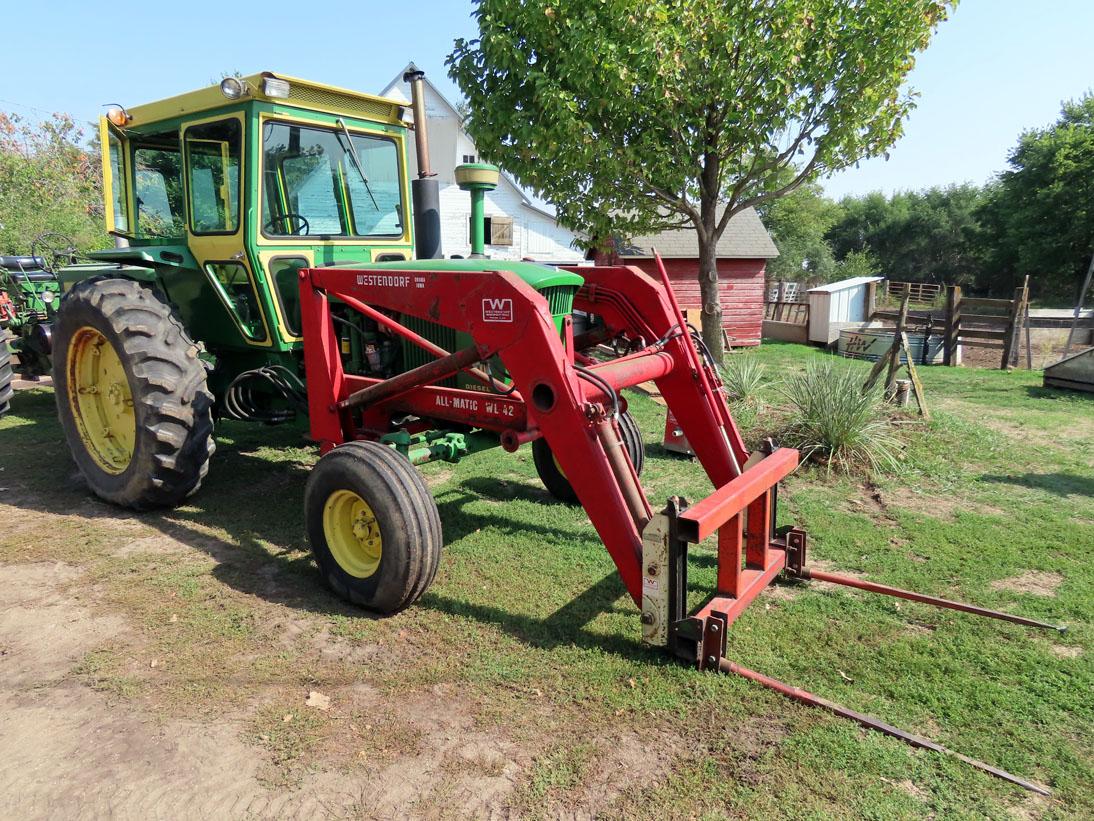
(570, 399)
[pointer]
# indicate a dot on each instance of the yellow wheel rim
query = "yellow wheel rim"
(558, 467)
(352, 533)
(101, 400)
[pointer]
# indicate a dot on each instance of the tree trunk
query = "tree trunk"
(711, 298)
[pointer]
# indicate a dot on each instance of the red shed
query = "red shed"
(743, 253)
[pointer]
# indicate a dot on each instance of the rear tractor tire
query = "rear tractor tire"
(6, 374)
(550, 473)
(373, 526)
(131, 395)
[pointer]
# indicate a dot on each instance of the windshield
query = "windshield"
(313, 186)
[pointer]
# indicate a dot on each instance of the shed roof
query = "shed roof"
(744, 238)
(843, 285)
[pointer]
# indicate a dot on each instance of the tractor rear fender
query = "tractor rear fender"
(146, 264)
(73, 274)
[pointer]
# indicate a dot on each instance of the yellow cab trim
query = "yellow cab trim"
(302, 93)
(213, 248)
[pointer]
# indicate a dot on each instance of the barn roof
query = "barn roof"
(744, 238)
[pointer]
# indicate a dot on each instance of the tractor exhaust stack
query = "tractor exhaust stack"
(424, 190)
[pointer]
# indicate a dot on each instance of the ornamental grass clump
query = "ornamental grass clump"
(835, 422)
(743, 375)
(742, 378)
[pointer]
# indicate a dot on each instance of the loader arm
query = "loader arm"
(568, 404)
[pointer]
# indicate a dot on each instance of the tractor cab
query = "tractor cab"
(222, 195)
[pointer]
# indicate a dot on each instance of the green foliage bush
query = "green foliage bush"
(833, 421)
(744, 377)
(50, 180)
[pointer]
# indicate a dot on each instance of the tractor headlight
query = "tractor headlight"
(233, 88)
(48, 297)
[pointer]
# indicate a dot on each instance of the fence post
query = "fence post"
(1023, 325)
(898, 336)
(1012, 329)
(953, 324)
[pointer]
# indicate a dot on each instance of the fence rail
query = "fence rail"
(918, 292)
(796, 313)
(994, 324)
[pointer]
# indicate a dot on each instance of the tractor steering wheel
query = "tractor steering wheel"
(302, 228)
(53, 249)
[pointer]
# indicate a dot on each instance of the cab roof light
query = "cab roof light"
(275, 87)
(234, 88)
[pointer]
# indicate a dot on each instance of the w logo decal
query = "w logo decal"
(497, 310)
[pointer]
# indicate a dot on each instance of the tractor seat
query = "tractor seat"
(26, 263)
(30, 267)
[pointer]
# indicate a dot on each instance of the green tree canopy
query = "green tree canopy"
(1040, 213)
(633, 115)
(798, 223)
(49, 181)
(919, 236)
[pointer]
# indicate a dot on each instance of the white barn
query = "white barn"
(518, 227)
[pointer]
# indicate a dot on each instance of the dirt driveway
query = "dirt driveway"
(165, 666)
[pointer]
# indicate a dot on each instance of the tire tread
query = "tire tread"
(169, 381)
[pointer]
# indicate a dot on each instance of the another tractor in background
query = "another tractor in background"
(29, 297)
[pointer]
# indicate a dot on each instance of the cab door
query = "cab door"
(213, 152)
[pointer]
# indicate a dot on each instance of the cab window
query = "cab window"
(213, 152)
(157, 186)
(119, 182)
(377, 207)
(238, 292)
(285, 273)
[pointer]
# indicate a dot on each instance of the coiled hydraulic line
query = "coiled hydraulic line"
(246, 401)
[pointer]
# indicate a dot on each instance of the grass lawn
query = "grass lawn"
(528, 636)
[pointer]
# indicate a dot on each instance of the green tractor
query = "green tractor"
(29, 297)
(217, 199)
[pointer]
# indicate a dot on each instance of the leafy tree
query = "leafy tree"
(636, 115)
(858, 264)
(916, 236)
(798, 223)
(49, 181)
(1040, 213)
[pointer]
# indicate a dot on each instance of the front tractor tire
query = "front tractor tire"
(373, 526)
(131, 395)
(550, 473)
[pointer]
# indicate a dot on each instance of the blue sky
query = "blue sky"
(996, 68)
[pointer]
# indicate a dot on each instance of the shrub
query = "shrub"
(833, 421)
